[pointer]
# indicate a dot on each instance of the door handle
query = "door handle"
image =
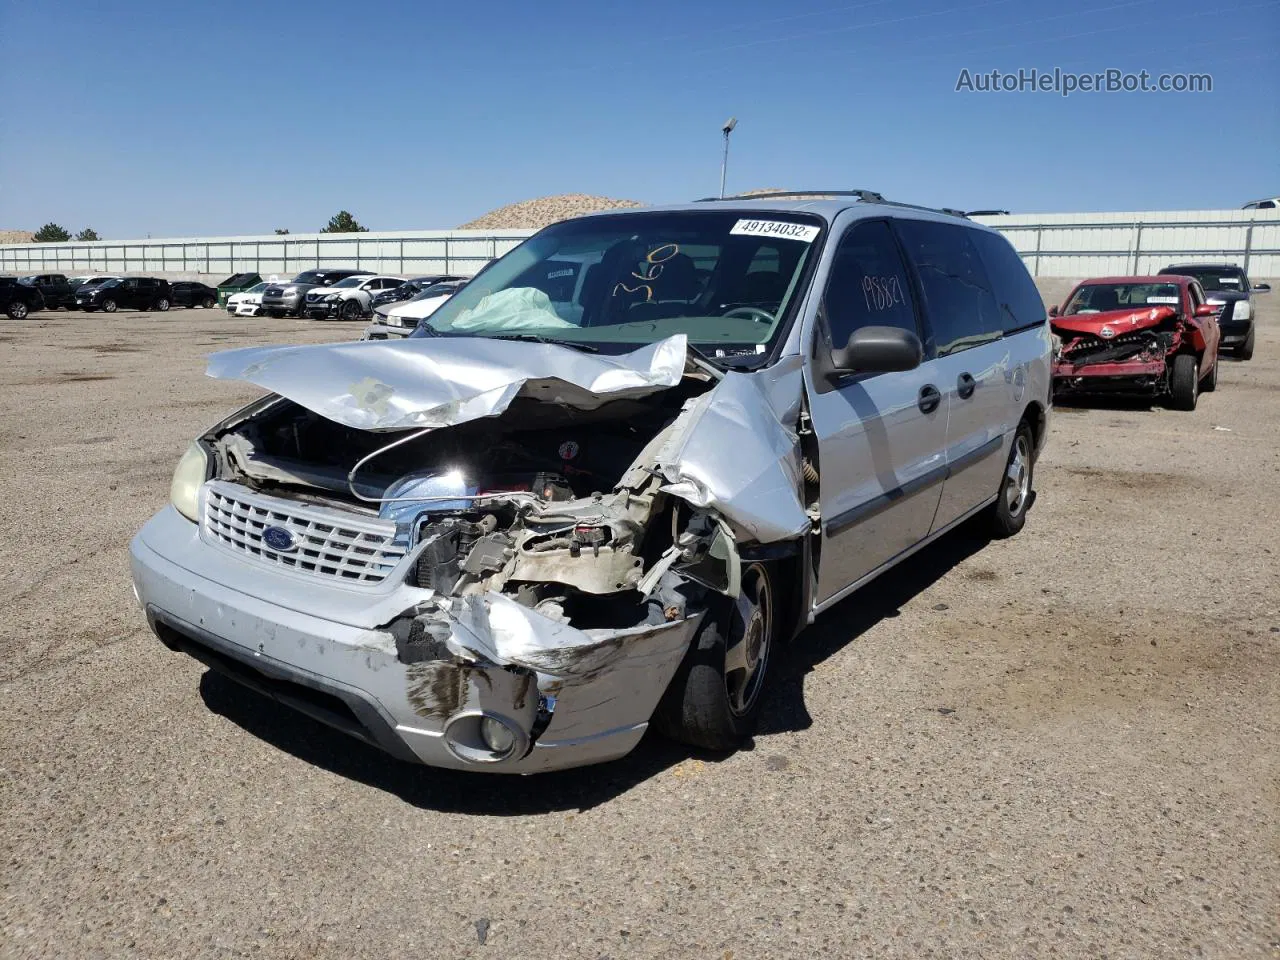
(929, 398)
(966, 385)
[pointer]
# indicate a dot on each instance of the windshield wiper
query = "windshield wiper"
(538, 338)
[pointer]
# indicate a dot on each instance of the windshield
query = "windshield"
(27, 281)
(113, 282)
(1101, 297)
(725, 279)
(310, 276)
(351, 282)
(1218, 278)
(257, 288)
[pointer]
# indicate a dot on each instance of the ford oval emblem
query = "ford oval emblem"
(279, 539)
(1107, 333)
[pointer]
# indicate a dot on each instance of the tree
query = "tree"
(88, 233)
(281, 231)
(52, 233)
(343, 222)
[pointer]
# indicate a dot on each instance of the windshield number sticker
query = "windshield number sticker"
(805, 233)
(1172, 300)
(881, 293)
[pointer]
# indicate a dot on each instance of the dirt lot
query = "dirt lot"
(1065, 744)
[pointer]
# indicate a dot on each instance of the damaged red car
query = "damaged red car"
(1153, 337)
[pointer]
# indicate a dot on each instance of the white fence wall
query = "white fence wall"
(1053, 245)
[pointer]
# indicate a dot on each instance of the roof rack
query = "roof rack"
(864, 196)
(987, 213)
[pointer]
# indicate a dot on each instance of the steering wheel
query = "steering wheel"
(758, 314)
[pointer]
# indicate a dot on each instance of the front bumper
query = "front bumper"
(1130, 377)
(320, 310)
(324, 649)
(286, 304)
(1234, 332)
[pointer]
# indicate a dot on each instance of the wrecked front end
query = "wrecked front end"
(486, 570)
(1126, 352)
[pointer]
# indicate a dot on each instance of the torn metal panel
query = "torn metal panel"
(441, 381)
(735, 451)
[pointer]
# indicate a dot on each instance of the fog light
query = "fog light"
(497, 736)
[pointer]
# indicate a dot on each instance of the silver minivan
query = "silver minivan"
(599, 487)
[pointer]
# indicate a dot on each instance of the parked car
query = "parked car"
(512, 541)
(1230, 294)
(236, 283)
(349, 298)
(1270, 203)
(55, 288)
(19, 299)
(78, 283)
(411, 288)
(137, 293)
(280, 299)
(1146, 336)
(189, 293)
(400, 319)
(247, 303)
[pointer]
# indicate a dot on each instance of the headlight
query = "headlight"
(288, 290)
(184, 491)
(1241, 311)
(332, 298)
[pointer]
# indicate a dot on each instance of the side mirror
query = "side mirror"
(1205, 310)
(1262, 288)
(1053, 311)
(878, 350)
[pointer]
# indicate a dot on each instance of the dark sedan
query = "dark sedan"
(18, 299)
(410, 289)
(187, 293)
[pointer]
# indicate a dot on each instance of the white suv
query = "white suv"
(349, 299)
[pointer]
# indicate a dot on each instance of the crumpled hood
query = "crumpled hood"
(441, 381)
(1118, 322)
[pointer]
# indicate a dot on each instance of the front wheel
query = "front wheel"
(351, 310)
(162, 304)
(714, 699)
(18, 310)
(1008, 514)
(209, 303)
(1184, 382)
(108, 306)
(1245, 350)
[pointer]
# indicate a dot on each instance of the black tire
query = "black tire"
(709, 703)
(301, 312)
(162, 305)
(1209, 382)
(275, 314)
(351, 310)
(109, 306)
(1245, 350)
(18, 310)
(1184, 382)
(1008, 514)
(209, 303)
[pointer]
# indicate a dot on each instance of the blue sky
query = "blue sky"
(180, 119)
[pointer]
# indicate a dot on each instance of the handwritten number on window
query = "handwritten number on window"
(882, 293)
(652, 270)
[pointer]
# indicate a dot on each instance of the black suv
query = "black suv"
(140, 293)
(291, 298)
(18, 299)
(55, 289)
(1226, 289)
(188, 293)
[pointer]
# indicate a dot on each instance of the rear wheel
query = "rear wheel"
(1008, 514)
(162, 304)
(1245, 350)
(714, 699)
(1184, 382)
(108, 306)
(209, 303)
(18, 310)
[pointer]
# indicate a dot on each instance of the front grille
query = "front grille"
(343, 547)
(273, 292)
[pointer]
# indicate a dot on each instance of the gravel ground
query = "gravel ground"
(1064, 744)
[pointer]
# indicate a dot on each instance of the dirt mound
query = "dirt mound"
(16, 236)
(544, 210)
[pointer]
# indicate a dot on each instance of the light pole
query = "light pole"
(724, 162)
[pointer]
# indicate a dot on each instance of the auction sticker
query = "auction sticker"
(776, 228)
